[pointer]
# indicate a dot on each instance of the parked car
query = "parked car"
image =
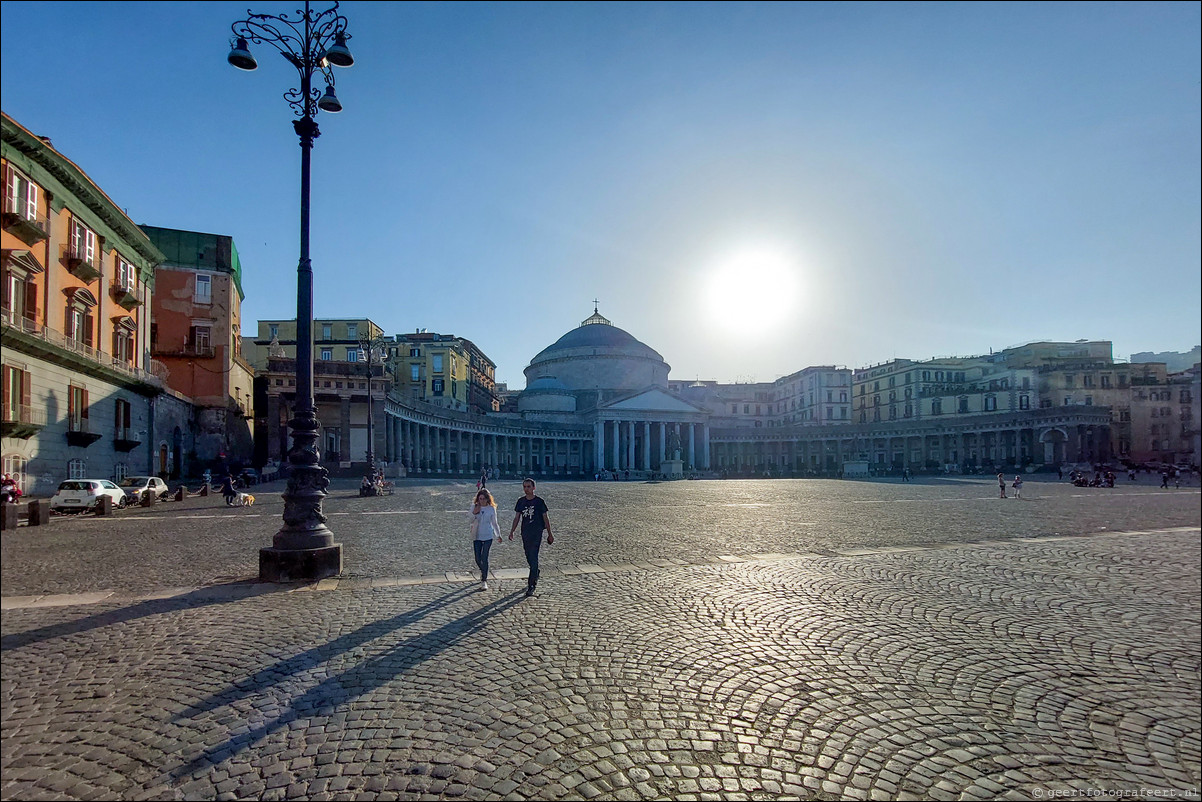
(136, 486)
(77, 495)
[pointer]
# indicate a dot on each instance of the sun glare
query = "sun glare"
(752, 290)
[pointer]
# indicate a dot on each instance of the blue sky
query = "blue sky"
(869, 181)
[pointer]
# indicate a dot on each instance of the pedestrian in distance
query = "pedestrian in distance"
(228, 490)
(531, 512)
(1001, 486)
(483, 480)
(485, 530)
(1018, 487)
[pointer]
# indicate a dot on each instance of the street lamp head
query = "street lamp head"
(338, 54)
(329, 101)
(240, 56)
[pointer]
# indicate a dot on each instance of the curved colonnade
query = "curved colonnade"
(431, 440)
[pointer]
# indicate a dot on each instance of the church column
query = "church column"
(598, 445)
(663, 435)
(705, 446)
(630, 463)
(646, 446)
(617, 436)
(691, 459)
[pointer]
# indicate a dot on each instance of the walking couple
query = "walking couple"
(530, 511)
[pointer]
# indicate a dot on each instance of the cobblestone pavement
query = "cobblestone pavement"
(1020, 652)
(422, 529)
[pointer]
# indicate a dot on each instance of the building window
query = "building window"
(80, 323)
(122, 420)
(436, 386)
(123, 340)
(352, 355)
(77, 469)
(415, 373)
(963, 405)
(436, 363)
(120, 471)
(734, 409)
(83, 242)
(1069, 380)
(990, 403)
(16, 395)
(1024, 402)
(415, 352)
(327, 331)
(21, 195)
(327, 354)
(1089, 400)
(127, 276)
(14, 466)
(77, 409)
(1105, 381)
(204, 290)
(199, 338)
(274, 330)
(352, 330)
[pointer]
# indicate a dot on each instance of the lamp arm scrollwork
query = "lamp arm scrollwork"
(303, 41)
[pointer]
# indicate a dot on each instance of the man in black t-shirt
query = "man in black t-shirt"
(531, 511)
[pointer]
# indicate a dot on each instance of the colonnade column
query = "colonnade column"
(598, 445)
(705, 447)
(646, 446)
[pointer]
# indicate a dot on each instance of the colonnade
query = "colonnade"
(644, 445)
(450, 446)
(1023, 445)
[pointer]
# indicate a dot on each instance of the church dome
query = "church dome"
(598, 355)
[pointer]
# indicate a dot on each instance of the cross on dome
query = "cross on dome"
(595, 317)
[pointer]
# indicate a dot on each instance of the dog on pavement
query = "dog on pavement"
(244, 500)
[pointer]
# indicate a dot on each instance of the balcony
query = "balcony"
(80, 432)
(22, 422)
(123, 440)
(125, 297)
(79, 264)
(30, 229)
(186, 351)
(46, 341)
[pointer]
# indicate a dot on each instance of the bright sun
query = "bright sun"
(752, 290)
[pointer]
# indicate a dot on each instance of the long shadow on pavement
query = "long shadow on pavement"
(201, 597)
(325, 697)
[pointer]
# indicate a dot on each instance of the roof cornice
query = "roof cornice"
(75, 181)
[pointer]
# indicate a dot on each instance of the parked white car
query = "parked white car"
(77, 495)
(137, 486)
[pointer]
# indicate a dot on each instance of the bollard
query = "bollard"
(39, 512)
(104, 506)
(180, 493)
(9, 515)
(149, 497)
(204, 490)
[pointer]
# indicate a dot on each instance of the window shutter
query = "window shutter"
(31, 197)
(31, 300)
(91, 238)
(9, 375)
(12, 191)
(83, 403)
(71, 404)
(125, 420)
(117, 344)
(88, 325)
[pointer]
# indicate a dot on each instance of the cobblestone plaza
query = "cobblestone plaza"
(694, 640)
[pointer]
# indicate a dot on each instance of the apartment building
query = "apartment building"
(196, 333)
(446, 371)
(348, 391)
(78, 279)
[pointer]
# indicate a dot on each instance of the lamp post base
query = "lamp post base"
(300, 565)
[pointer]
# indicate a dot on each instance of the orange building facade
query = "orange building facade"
(78, 279)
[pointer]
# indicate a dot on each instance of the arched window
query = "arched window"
(77, 469)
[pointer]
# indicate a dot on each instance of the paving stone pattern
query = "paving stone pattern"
(422, 530)
(1003, 668)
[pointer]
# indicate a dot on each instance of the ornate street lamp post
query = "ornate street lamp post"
(370, 348)
(304, 549)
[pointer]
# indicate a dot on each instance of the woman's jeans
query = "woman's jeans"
(481, 549)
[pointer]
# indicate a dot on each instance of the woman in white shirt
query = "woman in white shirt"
(484, 529)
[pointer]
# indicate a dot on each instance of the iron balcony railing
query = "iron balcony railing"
(24, 413)
(18, 208)
(46, 334)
